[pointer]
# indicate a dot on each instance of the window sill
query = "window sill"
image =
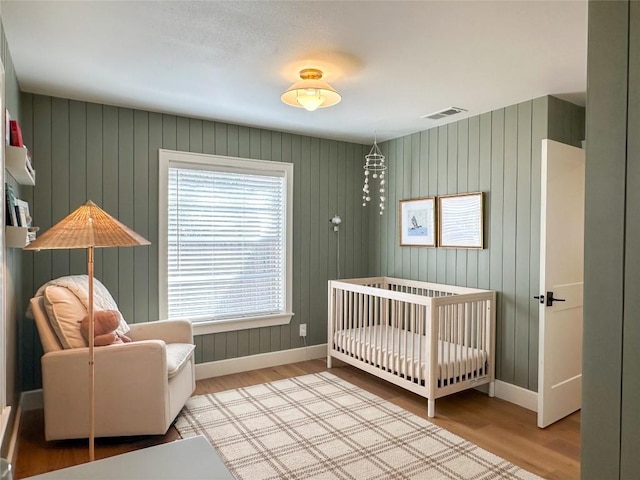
(235, 324)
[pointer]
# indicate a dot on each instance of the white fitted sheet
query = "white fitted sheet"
(405, 353)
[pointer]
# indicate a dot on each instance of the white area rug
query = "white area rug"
(322, 427)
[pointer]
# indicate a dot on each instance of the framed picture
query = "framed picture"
(417, 222)
(460, 222)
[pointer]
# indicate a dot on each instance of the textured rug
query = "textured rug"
(322, 427)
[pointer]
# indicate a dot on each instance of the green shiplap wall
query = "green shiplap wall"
(611, 386)
(110, 155)
(497, 153)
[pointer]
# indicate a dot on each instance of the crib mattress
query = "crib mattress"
(406, 353)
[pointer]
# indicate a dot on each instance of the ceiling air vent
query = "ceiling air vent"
(447, 112)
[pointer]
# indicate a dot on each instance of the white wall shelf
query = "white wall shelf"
(18, 164)
(17, 237)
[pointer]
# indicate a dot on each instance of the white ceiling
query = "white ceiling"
(392, 61)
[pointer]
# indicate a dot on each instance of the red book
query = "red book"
(16, 134)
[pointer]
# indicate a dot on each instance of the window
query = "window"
(225, 241)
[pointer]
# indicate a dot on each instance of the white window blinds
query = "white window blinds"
(226, 240)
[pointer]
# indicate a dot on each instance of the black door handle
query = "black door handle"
(550, 299)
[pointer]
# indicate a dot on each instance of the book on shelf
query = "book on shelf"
(12, 218)
(16, 134)
(22, 213)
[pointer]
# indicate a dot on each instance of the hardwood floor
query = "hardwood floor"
(495, 425)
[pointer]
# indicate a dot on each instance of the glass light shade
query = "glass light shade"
(310, 92)
(310, 99)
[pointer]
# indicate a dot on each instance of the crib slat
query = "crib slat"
(405, 323)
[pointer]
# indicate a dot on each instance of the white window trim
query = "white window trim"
(169, 158)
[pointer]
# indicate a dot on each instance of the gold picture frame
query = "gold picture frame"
(417, 222)
(460, 220)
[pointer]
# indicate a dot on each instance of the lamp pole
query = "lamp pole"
(92, 406)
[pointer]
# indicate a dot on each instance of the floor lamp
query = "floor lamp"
(88, 227)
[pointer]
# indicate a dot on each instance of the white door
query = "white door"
(561, 278)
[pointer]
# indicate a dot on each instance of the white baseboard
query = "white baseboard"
(262, 360)
(520, 396)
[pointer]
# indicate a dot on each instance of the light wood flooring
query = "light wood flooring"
(495, 425)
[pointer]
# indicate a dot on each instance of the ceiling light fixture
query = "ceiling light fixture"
(311, 92)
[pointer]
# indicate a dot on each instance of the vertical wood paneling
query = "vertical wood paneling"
(111, 155)
(208, 138)
(195, 135)
(382, 228)
(611, 169)
(495, 227)
(78, 124)
(233, 141)
(462, 150)
(497, 153)
(566, 122)
(443, 189)
(219, 346)
(325, 237)
(314, 241)
(221, 139)
(452, 177)
(140, 224)
(265, 340)
(473, 185)
(298, 214)
(405, 163)
(432, 254)
(390, 221)
(423, 185)
(287, 156)
(484, 257)
(397, 179)
(110, 192)
(305, 233)
(155, 141)
(508, 327)
(539, 128)
(42, 212)
(121, 144)
(125, 212)
(523, 244)
(60, 175)
(182, 134)
(352, 210)
(630, 423)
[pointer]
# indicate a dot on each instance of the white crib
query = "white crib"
(429, 338)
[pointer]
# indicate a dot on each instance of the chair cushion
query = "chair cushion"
(178, 355)
(65, 311)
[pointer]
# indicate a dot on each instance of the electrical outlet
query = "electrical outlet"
(303, 329)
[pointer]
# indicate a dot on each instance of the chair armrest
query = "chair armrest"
(170, 331)
(143, 356)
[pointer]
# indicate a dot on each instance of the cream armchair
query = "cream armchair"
(140, 386)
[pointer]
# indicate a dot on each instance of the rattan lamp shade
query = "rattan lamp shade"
(87, 226)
